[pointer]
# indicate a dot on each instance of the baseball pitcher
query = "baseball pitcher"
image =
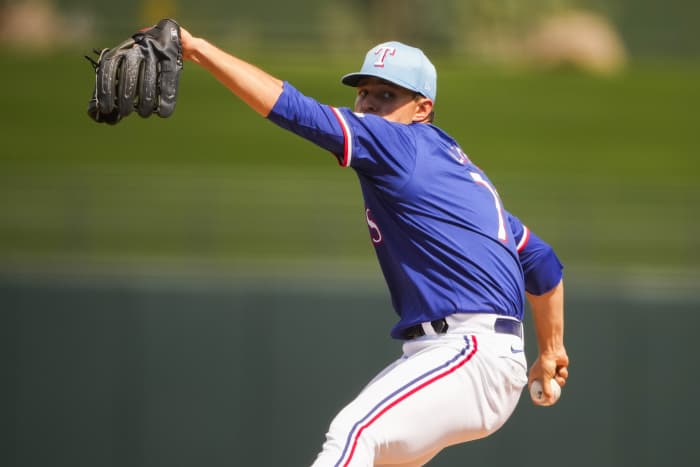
(459, 266)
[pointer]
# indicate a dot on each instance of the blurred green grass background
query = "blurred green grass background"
(605, 168)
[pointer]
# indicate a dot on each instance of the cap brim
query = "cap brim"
(353, 79)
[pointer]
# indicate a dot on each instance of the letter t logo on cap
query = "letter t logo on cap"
(382, 53)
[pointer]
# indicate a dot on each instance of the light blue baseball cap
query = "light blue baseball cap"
(400, 64)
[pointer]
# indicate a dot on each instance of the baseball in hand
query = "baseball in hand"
(537, 394)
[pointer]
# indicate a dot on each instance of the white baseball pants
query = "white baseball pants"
(445, 389)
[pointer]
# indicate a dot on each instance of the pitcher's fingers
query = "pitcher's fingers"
(562, 375)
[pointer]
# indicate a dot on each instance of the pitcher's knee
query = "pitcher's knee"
(350, 446)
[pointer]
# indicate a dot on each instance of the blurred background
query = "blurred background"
(201, 290)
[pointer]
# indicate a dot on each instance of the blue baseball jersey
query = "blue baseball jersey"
(441, 234)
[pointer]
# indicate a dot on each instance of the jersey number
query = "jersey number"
(374, 232)
(502, 235)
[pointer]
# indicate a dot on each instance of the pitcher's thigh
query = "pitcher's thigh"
(427, 402)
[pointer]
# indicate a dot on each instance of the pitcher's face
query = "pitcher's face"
(394, 103)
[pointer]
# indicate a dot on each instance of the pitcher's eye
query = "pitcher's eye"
(362, 93)
(387, 95)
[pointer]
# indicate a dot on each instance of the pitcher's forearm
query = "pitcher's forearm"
(252, 85)
(548, 314)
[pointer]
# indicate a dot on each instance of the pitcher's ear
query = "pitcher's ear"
(424, 110)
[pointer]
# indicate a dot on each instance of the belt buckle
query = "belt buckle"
(440, 325)
(413, 332)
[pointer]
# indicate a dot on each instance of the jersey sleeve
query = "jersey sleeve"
(311, 120)
(541, 266)
(382, 150)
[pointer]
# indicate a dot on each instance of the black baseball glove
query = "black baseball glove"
(141, 73)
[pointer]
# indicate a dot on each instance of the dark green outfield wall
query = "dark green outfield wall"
(168, 374)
